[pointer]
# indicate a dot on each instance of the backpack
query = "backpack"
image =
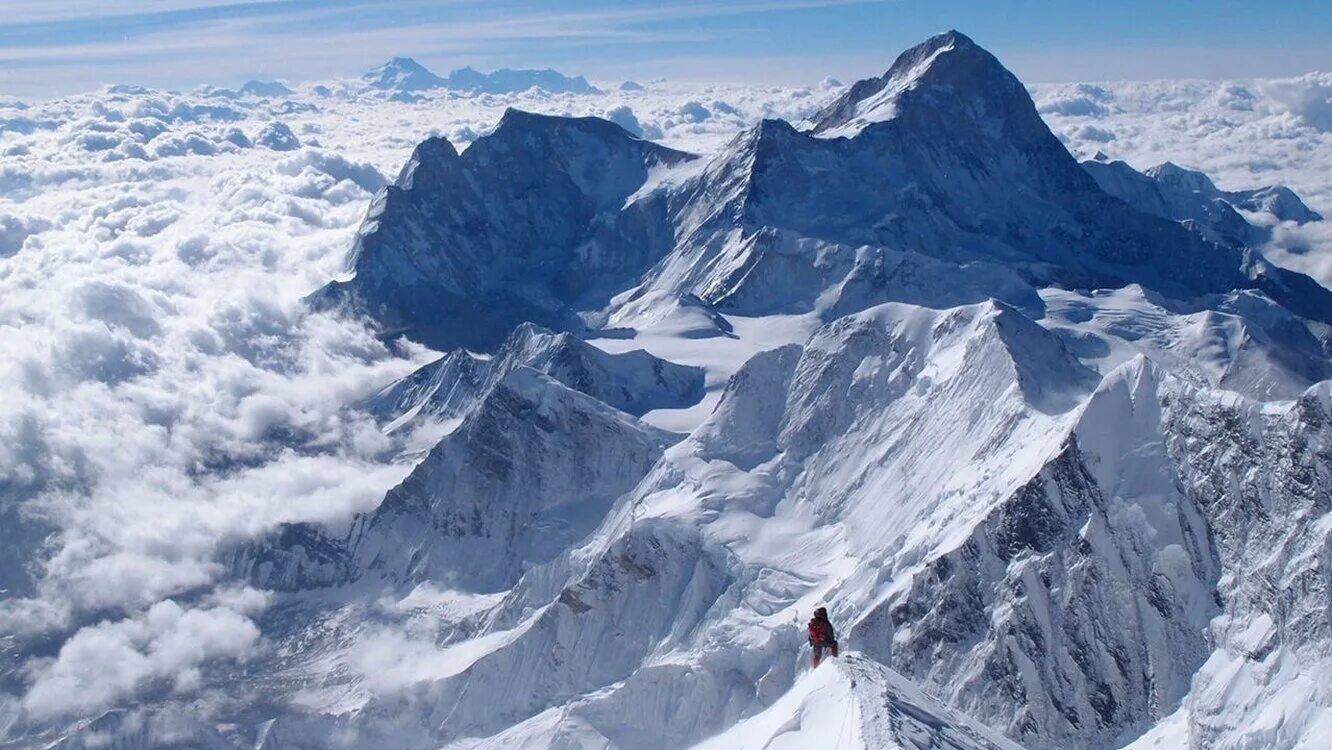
(820, 631)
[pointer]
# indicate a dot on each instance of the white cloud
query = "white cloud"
(103, 664)
(1308, 96)
(52, 10)
(1307, 249)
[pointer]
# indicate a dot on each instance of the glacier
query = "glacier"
(1052, 440)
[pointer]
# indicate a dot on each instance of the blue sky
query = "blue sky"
(49, 47)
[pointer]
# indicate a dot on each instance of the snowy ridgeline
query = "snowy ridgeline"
(1051, 440)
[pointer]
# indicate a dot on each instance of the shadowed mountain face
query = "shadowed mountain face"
(464, 247)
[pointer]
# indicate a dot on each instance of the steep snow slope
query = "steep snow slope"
(535, 470)
(700, 513)
(857, 704)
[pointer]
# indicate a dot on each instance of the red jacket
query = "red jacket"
(821, 632)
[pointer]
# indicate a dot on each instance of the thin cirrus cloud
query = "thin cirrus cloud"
(17, 11)
(70, 50)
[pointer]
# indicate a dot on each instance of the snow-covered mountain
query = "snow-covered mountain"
(1052, 442)
(635, 382)
(942, 162)
(1012, 488)
(508, 80)
(403, 75)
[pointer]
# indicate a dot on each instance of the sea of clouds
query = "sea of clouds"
(165, 395)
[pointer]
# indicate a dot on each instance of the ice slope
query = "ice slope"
(463, 248)
(976, 519)
(853, 703)
(754, 515)
(1263, 684)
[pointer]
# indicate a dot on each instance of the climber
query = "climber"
(821, 635)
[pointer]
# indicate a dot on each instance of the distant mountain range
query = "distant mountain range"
(405, 75)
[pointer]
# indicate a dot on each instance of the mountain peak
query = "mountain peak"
(402, 74)
(951, 38)
(948, 64)
(1183, 178)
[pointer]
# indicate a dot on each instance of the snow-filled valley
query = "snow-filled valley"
(514, 410)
